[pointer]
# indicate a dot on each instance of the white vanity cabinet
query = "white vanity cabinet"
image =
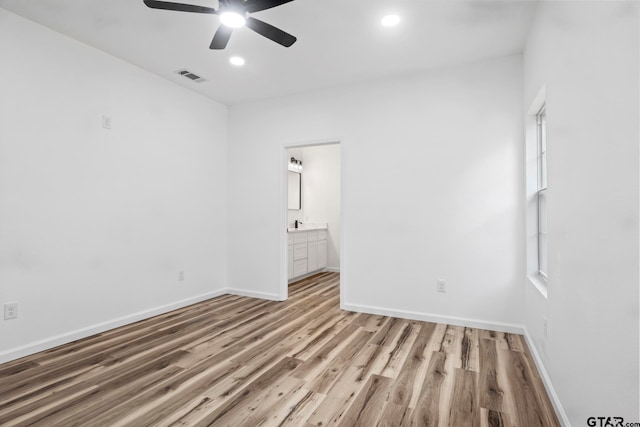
(290, 254)
(307, 251)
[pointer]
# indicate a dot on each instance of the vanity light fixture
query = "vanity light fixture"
(295, 165)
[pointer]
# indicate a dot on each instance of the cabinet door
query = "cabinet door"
(322, 254)
(290, 260)
(299, 267)
(299, 251)
(312, 256)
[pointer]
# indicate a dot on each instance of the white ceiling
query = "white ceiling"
(339, 41)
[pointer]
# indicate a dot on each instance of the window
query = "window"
(541, 195)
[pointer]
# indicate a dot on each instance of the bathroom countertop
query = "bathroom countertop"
(307, 227)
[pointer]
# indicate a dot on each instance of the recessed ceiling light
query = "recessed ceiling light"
(232, 19)
(237, 61)
(390, 20)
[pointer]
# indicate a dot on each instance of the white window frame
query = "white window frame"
(536, 192)
(541, 194)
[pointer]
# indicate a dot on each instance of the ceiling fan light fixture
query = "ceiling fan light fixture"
(233, 14)
(232, 19)
(237, 61)
(390, 20)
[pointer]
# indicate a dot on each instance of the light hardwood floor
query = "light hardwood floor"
(237, 361)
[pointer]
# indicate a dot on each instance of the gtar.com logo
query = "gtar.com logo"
(605, 422)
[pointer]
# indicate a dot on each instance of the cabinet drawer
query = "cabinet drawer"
(300, 251)
(289, 239)
(312, 236)
(300, 237)
(322, 235)
(299, 267)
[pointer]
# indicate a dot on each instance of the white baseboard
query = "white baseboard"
(333, 269)
(562, 415)
(48, 343)
(252, 294)
(426, 317)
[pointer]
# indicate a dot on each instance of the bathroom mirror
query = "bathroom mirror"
(294, 190)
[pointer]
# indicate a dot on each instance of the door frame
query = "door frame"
(283, 288)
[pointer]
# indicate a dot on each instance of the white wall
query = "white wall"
(432, 189)
(586, 54)
(95, 224)
(321, 194)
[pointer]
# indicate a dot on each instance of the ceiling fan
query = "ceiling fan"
(234, 14)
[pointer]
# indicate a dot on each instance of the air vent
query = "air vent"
(191, 76)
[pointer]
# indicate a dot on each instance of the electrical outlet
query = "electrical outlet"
(180, 275)
(441, 286)
(106, 122)
(10, 310)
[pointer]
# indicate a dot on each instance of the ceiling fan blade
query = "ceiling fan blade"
(221, 37)
(258, 5)
(180, 7)
(271, 32)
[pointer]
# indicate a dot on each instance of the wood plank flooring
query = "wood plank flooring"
(237, 361)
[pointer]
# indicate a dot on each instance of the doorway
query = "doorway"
(315, 208)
